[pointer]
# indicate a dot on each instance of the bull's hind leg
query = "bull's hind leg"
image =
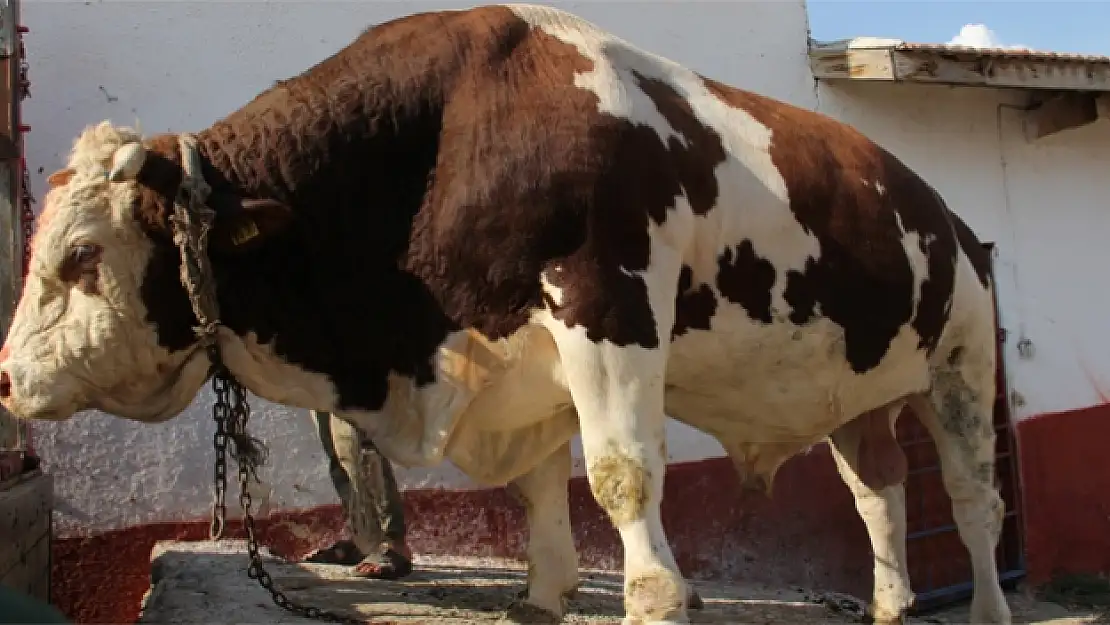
(957, 411)
(552, 559)
(874, 468)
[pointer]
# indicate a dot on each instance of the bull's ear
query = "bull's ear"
(60, 177)
(244, 224)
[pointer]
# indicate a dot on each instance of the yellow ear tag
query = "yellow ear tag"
(245, 233)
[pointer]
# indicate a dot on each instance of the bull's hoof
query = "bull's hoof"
(523, 613)
(693, 601)
(884, 617)
(568, 594)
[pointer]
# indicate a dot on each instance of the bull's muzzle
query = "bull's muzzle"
(5, 377)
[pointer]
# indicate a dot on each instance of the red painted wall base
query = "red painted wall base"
(807, 535)
(1065, 473)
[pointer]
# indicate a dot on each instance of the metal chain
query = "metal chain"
(221, 414)
(231, 412)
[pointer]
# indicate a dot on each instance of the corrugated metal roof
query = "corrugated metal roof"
(894, 60)
(1015, 54)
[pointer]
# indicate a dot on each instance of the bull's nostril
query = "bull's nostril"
(5, 385)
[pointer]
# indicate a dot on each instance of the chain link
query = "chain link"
(231, 412)
(221, 413)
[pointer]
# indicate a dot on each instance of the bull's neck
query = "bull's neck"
(294, 144)
(353, 162)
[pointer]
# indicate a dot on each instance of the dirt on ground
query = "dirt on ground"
(207, 583)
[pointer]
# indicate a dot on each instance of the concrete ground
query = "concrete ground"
(206, 582)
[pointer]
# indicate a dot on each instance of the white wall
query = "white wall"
(180, 66)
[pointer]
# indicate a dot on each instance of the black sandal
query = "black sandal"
(343, 552)
(390, 564)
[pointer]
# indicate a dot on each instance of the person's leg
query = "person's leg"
(394, 558)
(343, 552)
(391, 509)
(364, 473)
(339, 478)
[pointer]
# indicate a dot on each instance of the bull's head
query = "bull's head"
(83, 335)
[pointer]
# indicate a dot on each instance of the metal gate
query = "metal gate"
(940, 570)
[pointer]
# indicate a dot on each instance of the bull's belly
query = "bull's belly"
(781, 383)
(742, 382)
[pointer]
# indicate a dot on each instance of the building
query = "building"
(1028, 176)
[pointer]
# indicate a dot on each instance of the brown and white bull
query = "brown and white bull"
(476, 233)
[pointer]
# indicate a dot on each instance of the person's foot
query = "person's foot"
(393, 561)
(343, 552)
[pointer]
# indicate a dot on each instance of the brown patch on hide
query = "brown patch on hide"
(856, 198)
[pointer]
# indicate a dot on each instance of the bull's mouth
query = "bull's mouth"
(40, 415)
(160, 401)
(35, 407)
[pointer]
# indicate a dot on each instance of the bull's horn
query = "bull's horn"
(127, 161)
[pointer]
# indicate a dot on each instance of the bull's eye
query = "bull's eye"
(80, 266)
(85, 254)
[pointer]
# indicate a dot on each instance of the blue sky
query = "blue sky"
(1058, 26)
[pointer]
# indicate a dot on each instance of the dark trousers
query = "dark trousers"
(364, 480)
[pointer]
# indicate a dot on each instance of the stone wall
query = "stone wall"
(26, 506)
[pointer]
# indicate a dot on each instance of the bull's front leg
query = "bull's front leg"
(552, 558)
(618, 391)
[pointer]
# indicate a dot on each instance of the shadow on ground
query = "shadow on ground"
(206, 582)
